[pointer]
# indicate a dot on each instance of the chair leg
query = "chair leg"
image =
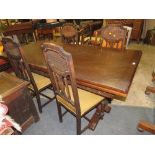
(59, 112)
(39, 102)
(78, 125)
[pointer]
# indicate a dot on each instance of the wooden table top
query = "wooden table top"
(105, 70)
(9, 84)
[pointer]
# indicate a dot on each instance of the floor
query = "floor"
(142, 78)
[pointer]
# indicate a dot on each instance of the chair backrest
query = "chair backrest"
(17, 60)
(62, 74)
(69, 33)
(114, 36)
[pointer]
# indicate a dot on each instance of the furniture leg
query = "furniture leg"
(26, 38)
(95, 118)
(109, 100)
(153, 76)
(78, 125)
(106, 108)
(149, 90)
(39, 103)
(147, 126)
(15, 38)
(34, 37)
(59, 112)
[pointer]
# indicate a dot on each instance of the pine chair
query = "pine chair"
(76, 101)
(22, 70)
(69, 33)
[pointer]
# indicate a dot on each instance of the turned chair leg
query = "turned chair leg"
(39, 103)
(59, 112)
(78, 126)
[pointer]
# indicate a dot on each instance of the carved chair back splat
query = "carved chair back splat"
(114, 36)
(61, 71)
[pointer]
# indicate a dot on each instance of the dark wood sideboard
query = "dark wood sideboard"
(18, 29)
(16, 96)
(136, 24)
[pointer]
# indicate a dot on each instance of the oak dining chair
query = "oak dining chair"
(22, 70)
(75, 100)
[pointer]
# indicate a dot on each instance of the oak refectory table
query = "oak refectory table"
(106, 72)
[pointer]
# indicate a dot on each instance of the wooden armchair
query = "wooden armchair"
(22, 70)
(76, 101)
(69, 33)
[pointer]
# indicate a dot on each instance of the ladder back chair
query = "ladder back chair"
(69, 33)
(114, 36)
(76, 101)
(22, 70)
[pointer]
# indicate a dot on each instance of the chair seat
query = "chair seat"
(87, 101)
(41, 81)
